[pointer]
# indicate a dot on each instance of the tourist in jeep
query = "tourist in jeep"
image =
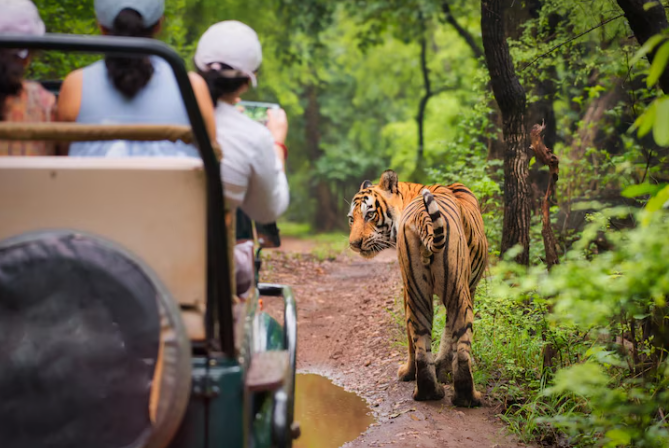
(21, 100)
(228, 56)
(130, 90)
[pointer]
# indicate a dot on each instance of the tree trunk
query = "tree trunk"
(510, 97)
(419, 172)
(325, 216)
(312, 117)
(645, 24)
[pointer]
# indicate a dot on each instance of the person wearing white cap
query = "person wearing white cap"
(228, 56)
(22, 100)
(130, 90)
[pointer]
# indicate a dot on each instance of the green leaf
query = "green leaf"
(645, 121)
(647, 6)
(646, 48)
(580, 379)
(634, 191)
(661, 122)
(618, 437)
(659, 200)
(658, 65)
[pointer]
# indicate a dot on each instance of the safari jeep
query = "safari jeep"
(118, 325)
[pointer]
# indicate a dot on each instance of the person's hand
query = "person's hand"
(277, 123)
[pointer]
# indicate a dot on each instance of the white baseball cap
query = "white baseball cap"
(151, 11)
(20, 17)
(231, 43)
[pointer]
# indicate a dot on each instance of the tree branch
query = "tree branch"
(466, 35)
(546, 156)
(599, 25)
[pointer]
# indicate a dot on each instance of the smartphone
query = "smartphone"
(256, 110)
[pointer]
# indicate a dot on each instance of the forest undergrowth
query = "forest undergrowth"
(606, 381)
(603, 316)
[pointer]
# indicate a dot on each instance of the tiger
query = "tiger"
(442, 250)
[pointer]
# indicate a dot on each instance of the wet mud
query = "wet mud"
(329, 415)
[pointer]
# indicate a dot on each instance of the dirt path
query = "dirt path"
(347, 332)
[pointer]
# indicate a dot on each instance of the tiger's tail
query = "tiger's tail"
(432, 230)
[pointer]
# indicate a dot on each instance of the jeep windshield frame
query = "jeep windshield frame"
(218, 318)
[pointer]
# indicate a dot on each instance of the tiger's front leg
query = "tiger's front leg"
(407, 372)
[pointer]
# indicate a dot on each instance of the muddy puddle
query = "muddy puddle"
(329, 416)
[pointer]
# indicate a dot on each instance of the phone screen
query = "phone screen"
(256, 110)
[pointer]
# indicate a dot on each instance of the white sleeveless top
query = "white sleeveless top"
(159, 102)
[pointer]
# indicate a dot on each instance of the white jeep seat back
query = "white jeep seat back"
(154, 209)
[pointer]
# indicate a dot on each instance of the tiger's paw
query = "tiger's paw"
(464, 392)
(464, 400)
(427, 386)
(428, 392)
(407, 372)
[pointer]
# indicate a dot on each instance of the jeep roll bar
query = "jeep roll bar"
(218, 320)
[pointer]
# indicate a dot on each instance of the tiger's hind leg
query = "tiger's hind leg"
(447, 348)
(464, 392)
(427, 387)
(456, 343)
(419, 314)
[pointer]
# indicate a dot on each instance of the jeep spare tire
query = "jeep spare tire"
(93, 352)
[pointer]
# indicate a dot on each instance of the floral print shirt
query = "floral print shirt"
(33, 105)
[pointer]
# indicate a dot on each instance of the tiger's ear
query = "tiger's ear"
(366, 184)
(389, 182)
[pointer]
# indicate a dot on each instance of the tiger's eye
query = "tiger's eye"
(371, 216)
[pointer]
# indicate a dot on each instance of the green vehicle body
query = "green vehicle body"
(220, 412)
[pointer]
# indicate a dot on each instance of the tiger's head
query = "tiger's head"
(373, 216)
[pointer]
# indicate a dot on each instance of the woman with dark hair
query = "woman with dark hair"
(21, 100)
(228, 57)
(130, 90)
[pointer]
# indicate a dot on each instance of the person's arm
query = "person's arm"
(204, 101)
(277, 123)
(69, 99)
(267, 195)
(49, 99)
(69, 103)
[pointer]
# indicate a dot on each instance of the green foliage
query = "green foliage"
(66, 16)
(78, 17)
(656, 116)
(617, 374)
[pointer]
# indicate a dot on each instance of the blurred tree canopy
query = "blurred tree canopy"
(349, 76)
(376, 84)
